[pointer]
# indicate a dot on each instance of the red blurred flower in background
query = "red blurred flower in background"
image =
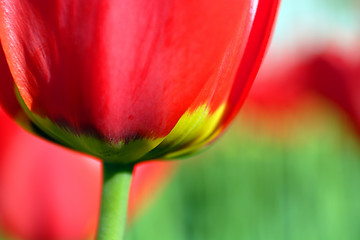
(287, 84)
(48, 192)
(313, 64)
(335, 76)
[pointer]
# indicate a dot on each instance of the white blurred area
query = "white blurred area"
(308, 26)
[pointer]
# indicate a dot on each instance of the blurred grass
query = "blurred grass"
(252, 186)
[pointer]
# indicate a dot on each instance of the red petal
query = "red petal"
(128, 68)
(46, 192)
(252, 58)
(7, 94)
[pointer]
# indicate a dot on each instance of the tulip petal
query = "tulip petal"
(129, 80)
(46, 192)
(8, 99)
(240, 67)
(253, 56)
(7, 95)
(119, 69)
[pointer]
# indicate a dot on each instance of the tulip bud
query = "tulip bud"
(128, 81)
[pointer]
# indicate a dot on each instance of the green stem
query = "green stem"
(114, 202)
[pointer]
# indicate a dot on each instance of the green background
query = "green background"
(254, 186)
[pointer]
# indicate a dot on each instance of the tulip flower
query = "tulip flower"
(128, 81)
(48, 192)
(276, 101)
(283, 87)
(315, 53)
(335, 77)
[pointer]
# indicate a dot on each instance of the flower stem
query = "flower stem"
(114, 202)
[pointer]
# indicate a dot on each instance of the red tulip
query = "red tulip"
(280, 85)
(285, 87)
(336, 77)
(128, 81)
(132, 80)
(307, 61)
(48, 192)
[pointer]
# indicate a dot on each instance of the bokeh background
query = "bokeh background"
(287, 168)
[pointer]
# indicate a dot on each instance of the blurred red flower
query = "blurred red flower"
(48, 192)
(287, 84)
(335, 76)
